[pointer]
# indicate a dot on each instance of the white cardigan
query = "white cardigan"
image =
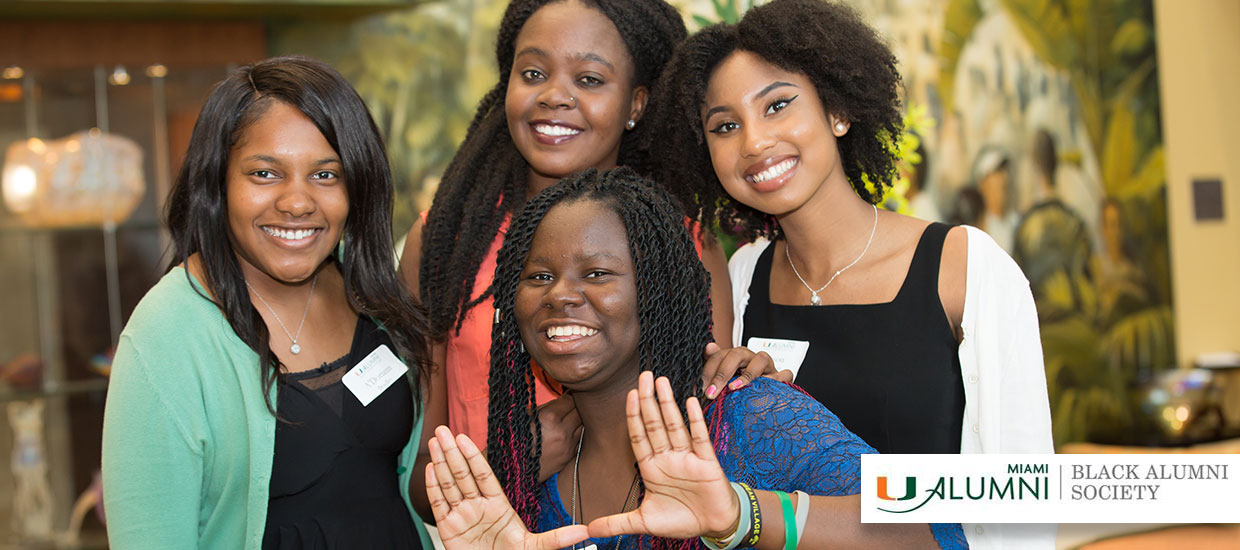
(1005, 404)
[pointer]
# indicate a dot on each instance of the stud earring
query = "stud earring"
(630, 124)
(840, 128)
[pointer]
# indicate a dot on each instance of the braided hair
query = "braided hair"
(853, 71)
(486, 179)
(673, 310)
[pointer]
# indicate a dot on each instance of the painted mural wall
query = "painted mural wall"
(1039, 121)
(1048, 113)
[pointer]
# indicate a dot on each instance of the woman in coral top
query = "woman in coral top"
(574, 81)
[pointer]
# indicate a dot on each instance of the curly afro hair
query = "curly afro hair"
(486, 179)
(853, 71)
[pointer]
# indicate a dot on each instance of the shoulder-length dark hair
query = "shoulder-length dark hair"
(673, 310)
(197, 212)
(485, 182)
(853, 71)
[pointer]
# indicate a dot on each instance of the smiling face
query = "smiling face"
(287, 202)
(570, 92)
(772, 144)
(576, 302)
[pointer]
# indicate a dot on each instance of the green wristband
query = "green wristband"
(790, 522)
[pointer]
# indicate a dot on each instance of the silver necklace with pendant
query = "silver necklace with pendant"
(295, 348)
(577, 484)
(814, 300)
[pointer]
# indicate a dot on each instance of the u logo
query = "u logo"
(910, 488)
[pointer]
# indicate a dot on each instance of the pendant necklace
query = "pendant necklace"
(295, 348)
(577, 484)
(814, 300)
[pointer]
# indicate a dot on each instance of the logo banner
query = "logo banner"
(1155, 488)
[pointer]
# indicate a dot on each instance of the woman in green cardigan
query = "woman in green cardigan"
(264, 392)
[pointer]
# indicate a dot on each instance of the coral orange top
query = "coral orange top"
(468, 360)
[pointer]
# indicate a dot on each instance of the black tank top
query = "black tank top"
(335, 473)
(890, 371)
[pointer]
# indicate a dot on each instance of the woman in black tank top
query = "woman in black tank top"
(782, 132)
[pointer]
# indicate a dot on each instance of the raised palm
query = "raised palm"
(687, 493)
(470, 508)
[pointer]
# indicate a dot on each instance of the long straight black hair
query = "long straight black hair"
(197, 213)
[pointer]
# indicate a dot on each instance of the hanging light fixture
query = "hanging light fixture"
(86, 178)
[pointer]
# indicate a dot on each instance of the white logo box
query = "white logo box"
(1023, 488)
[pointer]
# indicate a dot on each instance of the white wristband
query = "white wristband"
(802, 513)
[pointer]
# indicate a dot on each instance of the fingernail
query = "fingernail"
(710, 392)
(736, 383)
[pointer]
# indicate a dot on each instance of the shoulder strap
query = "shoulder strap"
(923, 272)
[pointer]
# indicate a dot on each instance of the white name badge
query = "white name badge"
(374, 374)
(788, 354)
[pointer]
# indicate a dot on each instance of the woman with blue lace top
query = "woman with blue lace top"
(598, 283)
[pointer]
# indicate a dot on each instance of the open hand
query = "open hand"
(470, 508)
(687, 494)
(722, 364)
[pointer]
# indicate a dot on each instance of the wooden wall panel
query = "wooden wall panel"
(68, 44)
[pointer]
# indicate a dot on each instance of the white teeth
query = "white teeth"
(555, 131)
(570, 330)
(288, 234)
(774, 171)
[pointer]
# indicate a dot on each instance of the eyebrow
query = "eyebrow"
(582, 258)
(587, 56)
(274, 160)
(772, 86)
(762, 93)
(591, 56)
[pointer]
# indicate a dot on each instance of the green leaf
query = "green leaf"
(1132, 37)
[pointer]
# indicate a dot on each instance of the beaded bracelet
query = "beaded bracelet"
(742, 524)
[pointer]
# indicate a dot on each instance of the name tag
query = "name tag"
(374, 374)
(788, 354)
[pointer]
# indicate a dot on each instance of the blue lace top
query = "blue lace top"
(773, 437)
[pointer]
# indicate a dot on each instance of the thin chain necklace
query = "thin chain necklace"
(814, 300)
(295, 348)
(577, 484)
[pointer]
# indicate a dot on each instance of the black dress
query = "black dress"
(334, 474)
(890, 371)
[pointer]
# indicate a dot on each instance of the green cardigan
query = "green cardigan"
(187, 437)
